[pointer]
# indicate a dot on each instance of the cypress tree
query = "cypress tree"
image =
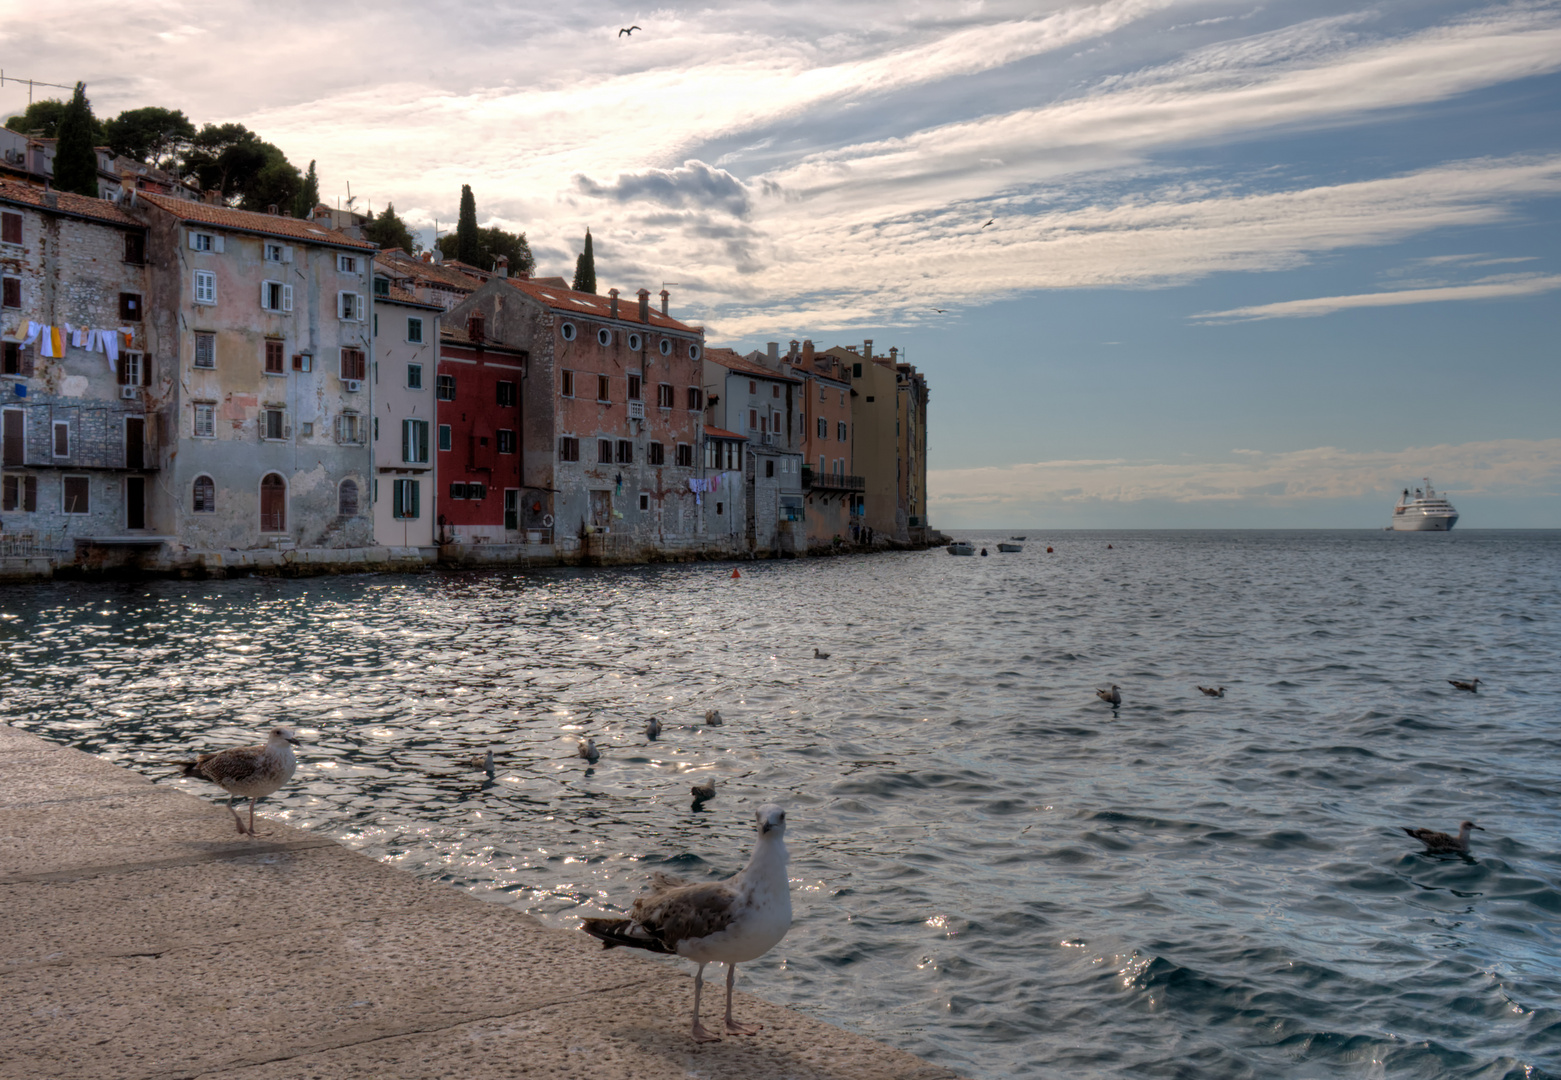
(585, 268)
(468, 241)
(308, 196)
(75, 161)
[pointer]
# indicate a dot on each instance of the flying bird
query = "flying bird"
(1470, 685)
(990, 222)
(941, 311)
(715, 922)
(589, 751)
(1112, 696)
(629, 30)
(1440, 841)
(249, 772)
(1213, 691)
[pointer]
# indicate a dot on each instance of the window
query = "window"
(603, 389)
(350, 428)
(444, 387)
(566, 331)
(457, 490)
(476, 491)
(505, 394)
(625, 452)
(445, 441)
(347, 264)
(769, 467)
(477, 326)
(665, 397)
(604, 451)
(666, 346)
(753, 419)
(203, 495)
(276, 296)
(841, 430)
(604, 337)
(404, 500)
(720, 508)
(636, 343)
(347, 499)
(61, 438)
(203, 242)
(21, 493)
(273, 504)
(354, 365)
(567, 384)
(415, 331)
(634, 387)
(568, 448)
(685, 455)
(644, 501)
(303, 361)
(414, 441)
(14, 360)
(75, 495)
(775, 390)
(134, 370)
(693, 352)
(15, 437)
(276, 362)
(506, 441)
(696, 398)
(414, 376)
(655, 454)
(205, 420)
(307, 430)
(274, 252)
(349, 306)
(823, 428)
(13, 292)
(273, 424)
(753, 387)
(821, 395)
(130, 306)
(381, 286)
(10, 228)
(205, 287)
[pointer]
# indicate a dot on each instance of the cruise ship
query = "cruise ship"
(1424, 511)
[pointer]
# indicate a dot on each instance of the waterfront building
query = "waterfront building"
(875, 447)
(477, 446)
(405, 371)
(613, 412)
(911, 447)
(763, 405)
(261, 329)
(834, 490)
(80, 388)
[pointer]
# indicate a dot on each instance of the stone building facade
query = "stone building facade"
(405, 369)
(764, 406)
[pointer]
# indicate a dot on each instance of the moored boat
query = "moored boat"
(962, 547)
(1010, 547)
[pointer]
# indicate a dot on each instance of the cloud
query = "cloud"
(1508, 285)
(694, 184)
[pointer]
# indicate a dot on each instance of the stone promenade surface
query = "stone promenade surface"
(140, 936)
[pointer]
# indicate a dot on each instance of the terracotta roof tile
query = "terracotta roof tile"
(66, 203)
(733, 362)
(722, 433)
(225, 217)
(583, 303)
(402, 296)
(430, 273)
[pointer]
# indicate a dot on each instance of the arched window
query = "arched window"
(273, 504)
(347, 499)
(204, 496)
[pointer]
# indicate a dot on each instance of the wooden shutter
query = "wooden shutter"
(27, 358)
(422, 441)
(415, 490)
(146, 369)
(265, 295)
(287, 298)
(14, 441)
(11, 228)
(29, 493)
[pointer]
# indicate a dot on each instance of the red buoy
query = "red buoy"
(1048, 551)
(736, 573)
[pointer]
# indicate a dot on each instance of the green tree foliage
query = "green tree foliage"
(585, 268)
(491, 243)
(468, 242)
(42, 117)
(308, 196)
(157, 136)
(389, 231)
(244, 169)
(75, 161)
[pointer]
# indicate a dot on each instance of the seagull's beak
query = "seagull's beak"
(294, 740)
(1480, 827)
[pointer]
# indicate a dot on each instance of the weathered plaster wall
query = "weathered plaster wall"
(394, 402)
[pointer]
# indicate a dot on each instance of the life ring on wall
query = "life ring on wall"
(547, 521)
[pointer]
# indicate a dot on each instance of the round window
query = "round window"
(666, 346)
(635, 343)
(693, 352)
(604, 336)
(567, 331)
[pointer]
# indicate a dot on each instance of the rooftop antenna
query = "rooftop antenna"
(351, 198)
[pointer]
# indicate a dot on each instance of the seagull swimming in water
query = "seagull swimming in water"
(714, 922)
(652, 728)
(1112, 696)
(1471, 685)
(713, 717)
(1440, 841)
(481, 764)
(249, 772)
(1213, 691)
(819, 655)
(589, 751)
(703, 792)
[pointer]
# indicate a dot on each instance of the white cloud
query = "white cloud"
(1489, 289)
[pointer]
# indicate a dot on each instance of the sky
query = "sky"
(1164, 264)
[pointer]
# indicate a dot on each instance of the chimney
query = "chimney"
(612, 303)
(524, 275)
(322, 216)
(502, 270)
(644, 295)
(792, 352)
(428, 256)
(894, 351)
(773, 348)
(807, 351)
(273, 209)
(867, 349)
(665, 296)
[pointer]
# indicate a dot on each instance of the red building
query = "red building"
(478, 434)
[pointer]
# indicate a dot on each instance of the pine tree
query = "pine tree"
(308, 196)
(468, 241)
(75, 161)
(585, 268)
(389, 231)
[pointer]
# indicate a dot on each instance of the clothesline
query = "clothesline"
(700, 485)
(52, 340)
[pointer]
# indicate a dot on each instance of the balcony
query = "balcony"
(828, 481)
(636, 409)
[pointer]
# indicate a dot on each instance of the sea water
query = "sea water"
(991, 868)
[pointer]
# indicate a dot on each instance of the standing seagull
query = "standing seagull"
(715, 922)
(1112, 696)
(1440, 841)
(250, 772)
(1471, 685)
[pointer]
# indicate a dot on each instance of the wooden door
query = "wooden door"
(273, 504)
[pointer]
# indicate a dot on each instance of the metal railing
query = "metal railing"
(828, 481)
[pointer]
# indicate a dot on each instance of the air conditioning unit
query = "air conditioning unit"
(352, 385)
(129, 393)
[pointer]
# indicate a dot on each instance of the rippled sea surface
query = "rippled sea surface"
(990, 867)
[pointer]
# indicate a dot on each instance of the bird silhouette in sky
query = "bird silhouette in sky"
(940, 311)
(990, 222)
(622, 30)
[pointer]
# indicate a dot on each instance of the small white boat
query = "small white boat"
(1010, 547)
(1016, 538)
(962, 547)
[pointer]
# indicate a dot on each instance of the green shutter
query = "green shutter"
(415, 488)
(395, 502)
(406, 440)
(422, 440)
